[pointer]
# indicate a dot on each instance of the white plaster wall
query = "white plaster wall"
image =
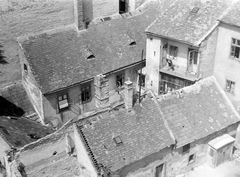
(82, 154)
(105, 7)
(3, 148)
(153, 63)
(226, 68)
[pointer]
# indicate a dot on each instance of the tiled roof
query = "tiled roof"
(178, 22)
(141, 131)
(16, 95)
(59, 60)
(232, 16)
(20, 131)
(199, 111)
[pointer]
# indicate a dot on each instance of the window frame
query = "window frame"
(62, 99)
(117, 80)
(162, 170)
(232, 53)
(231, 86)
(86, 89)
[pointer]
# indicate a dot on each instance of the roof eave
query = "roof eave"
(173, 39)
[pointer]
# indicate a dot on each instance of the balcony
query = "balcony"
(179, 71)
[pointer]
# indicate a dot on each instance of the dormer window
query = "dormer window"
(133, 43)
(195, 10)
(88, 54)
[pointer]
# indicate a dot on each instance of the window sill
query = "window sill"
(63, 109)
(235, 59)
(87, 101)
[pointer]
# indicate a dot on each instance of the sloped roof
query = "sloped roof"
(21, 131)
(142, 132)
(59, 60)
(16, 95)
(232, 16)
(199, 111)
(179, 22)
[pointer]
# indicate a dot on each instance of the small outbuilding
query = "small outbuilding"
(221, 149)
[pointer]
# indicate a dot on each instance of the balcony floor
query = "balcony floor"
(180, 72)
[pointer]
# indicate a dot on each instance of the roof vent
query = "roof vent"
(195, 10)
(106, 19)
(118, 140)
(131, 41)
(88, 54)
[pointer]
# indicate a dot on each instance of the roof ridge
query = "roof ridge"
(228, 9)
(163, 117)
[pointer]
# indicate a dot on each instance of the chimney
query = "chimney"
(128, 96)
(101, 91)
(78, 14)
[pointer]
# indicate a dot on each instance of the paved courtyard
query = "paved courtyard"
(227, 169)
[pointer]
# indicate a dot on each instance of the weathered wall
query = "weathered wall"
(83, 157)
(153, 54)
(48, 157)
(3, 148)
(105, 7)
(224, 66)
(31, 87)
(147, 166)
(32, 16)
(76, 106)
(207, 54)
(178, 162)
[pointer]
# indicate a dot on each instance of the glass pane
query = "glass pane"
(237, 50)
(238, 42)
(65, 96)
(59, 98)
(233, 41)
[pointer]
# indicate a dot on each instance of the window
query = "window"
(118, 140)
(193, 56)
(235, 48)
(142, 80)
(159, 171)
(186, 148)
(230, 86)
(120, 80)
(63, 102)
(122, 6)
(173, 50)
(191, 158)
(86, 93)
(25, 67)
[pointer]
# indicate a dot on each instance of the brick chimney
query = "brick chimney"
(101, 91)
(78, 14)
(128, 95)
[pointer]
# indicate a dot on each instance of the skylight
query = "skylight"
(118, 140)
(195, 10)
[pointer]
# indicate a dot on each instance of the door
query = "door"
(193, 61)
(159, 171)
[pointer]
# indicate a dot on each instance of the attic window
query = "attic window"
(118, 140)
(88, 54)
(195, 10)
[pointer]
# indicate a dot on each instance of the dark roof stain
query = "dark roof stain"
(179, 23)
(59, 60)
(19, 131)
(200, 111)
(142, 132)
(232, 16)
